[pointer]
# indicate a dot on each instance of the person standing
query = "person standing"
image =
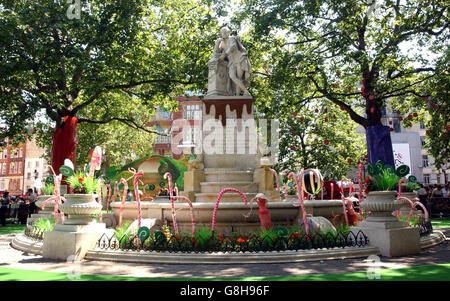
(31, 197)
(4, 206)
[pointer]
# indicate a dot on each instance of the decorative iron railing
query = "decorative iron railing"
(425, 228)
(228, 244)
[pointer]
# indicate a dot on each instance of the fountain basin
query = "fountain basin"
(230, 216)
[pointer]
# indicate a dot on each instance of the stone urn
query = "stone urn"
(49, 207)
(80, 208)
(381, 204)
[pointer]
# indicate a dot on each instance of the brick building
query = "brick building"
(190, 110)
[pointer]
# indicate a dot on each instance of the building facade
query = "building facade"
(173, 127)
(20, 166)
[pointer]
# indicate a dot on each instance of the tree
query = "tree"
(349, 52)
(95, 67)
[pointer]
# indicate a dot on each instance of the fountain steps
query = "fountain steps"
(228, 197)
(228, 175)
(216, 187)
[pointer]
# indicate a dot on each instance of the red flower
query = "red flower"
(295, 114)
(415, 114)
(326, 142)
(80, 179)
(221, 236)
(366, 191)
(196, 244)
(177, 236)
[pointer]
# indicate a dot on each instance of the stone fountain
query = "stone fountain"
(228, 155)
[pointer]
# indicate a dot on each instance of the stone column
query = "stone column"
(384, 230)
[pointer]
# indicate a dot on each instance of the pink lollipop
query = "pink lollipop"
(300, 198)
(191, 209)
(136, 194)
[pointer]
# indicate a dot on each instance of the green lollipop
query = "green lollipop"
(66, 170)
(49, 179)
(143, 233)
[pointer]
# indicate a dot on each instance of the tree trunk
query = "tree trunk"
(64, 142)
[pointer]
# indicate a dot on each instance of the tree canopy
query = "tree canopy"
(96, 66)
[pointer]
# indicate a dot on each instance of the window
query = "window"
(11, 168)
(20, 153)
(20, 167)
(29, 176)
(426, 178)
(29, 164)
(15, 168)
(438, 178)
(192, 112)
(37, 163)
(5, 154)
(4, 169)
(425, 160)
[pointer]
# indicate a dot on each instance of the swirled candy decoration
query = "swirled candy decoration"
(281, 231)
(160, 237)
(371, 169)
(389, 168)
(66, 170)
(311, 181)
(162, 184)
(379, 165)
(152, 187)
(412, 179)
(402, 170)
(143, 233)
(49, 179)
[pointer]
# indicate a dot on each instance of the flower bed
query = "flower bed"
(204, 240)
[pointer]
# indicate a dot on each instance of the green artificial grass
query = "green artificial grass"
(437, 272)
(441, 223)
(12, 228)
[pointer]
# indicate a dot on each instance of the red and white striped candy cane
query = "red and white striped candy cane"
(332, 191)
(399, 196)
(57, 198)
(124, 195)
(108, 187)
(180, 197)
(412, 209)
(136, 194)
(213, 223)
(300, 198)
(274, 172)
(174, 218)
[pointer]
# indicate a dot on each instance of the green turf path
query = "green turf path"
(11, 228)
(438, 272)
(441, 223)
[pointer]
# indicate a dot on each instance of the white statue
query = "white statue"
(229, 49)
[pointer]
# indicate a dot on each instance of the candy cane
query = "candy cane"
(57, 198)
(191, 209)
(174, 218)
(176, 189)
(108, 187)
(344, 208)
(360, 185)
(136, 194)
(402, 180)
(124, 195)
(278, 184)
(332, 191)
(412, 209)
(300, 198)
(213, 223)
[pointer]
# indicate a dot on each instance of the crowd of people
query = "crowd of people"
(18, 208)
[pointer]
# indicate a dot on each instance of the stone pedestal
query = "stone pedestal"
(384, 230)
(80, 231)
(71, 240)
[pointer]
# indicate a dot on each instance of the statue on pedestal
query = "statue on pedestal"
(229, 67)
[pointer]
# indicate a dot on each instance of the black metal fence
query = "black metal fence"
(425, 228)
(228, 244)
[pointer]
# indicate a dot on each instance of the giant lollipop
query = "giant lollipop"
(96, 160)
